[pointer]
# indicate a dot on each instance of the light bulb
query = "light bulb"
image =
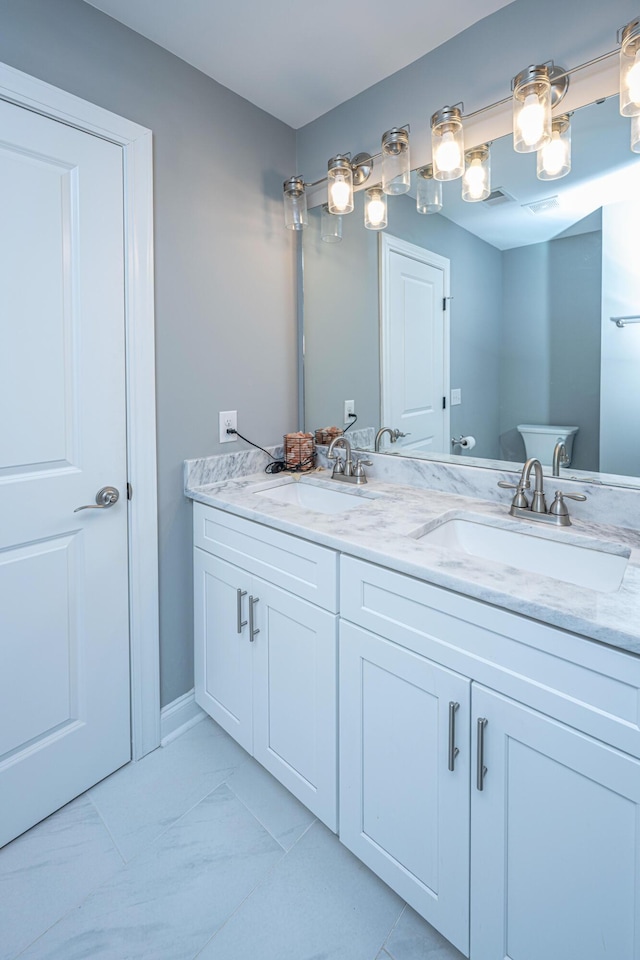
(531, 120)
(633, 80)
(376, 212)
(448, 153)
(340, 194)
(474, 177)
(553, 155)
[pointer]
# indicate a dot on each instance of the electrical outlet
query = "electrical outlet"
(456, 397)
(349, 408)
(228, 420)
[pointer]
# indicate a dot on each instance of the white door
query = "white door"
(64, 635)
(555, 841)
(404, 790)
(415, 349)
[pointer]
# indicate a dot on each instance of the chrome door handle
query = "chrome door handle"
(105, 497)
(481, 769)
(240, 623)
(253, 633)
(453, 750)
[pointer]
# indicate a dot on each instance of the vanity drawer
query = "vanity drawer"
(305, 569)
(590, 686)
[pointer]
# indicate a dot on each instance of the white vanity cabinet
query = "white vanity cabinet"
(539, 856)
(266, 649)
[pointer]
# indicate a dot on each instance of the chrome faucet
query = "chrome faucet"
(557, 512)
(393, 436)
(348, 470)
(560, 458)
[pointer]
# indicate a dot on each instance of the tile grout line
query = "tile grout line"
(393, 927)
(106, 826)
(259, 884)
(263, 825)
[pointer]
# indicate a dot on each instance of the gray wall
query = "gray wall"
(551, 342)
(225, 267)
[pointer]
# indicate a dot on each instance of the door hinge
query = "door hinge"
(444, 403)
(129, 491)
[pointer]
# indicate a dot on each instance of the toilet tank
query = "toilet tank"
(540, 440)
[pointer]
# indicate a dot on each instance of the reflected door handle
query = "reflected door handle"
(105, 497)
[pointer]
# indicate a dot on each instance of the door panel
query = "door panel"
(402, 810)
(295, 708)
(413, 327)
(555, 839)
(64, 632)
(223, 655)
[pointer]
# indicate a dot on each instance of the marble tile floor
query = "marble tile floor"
(197, 852)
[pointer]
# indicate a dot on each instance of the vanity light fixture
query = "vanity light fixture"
(447, 143)
(531, 109)
(396, 168)
(295, 204)
(340, 185)
(554, 157)
(629, 39)
(375, 208)
(635, 134)
(330, 226)
(429, 191)
(536, 91)
(476, 182)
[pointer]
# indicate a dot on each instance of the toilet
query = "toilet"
(540, 440)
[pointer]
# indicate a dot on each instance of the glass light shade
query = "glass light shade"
(330, 226)
(375, 209)
(295, 204)
(429, 191)
(630, 70)
(476, 182)
(554, 158)
(340, 185)
(531, 109)
(447, 143)
(396, 169)
(635, 134)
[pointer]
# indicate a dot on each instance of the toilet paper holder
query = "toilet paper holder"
(467, 443)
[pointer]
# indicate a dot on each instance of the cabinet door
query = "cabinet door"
(402, 810)
(555, 841)
(295, 667)
(222, 655)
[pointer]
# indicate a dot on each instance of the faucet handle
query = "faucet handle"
(520, 499)
(358, 470)
(559, 508)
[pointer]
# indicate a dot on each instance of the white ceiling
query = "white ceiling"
(297, 60)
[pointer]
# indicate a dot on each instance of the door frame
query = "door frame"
(142, 516)
(388, 245)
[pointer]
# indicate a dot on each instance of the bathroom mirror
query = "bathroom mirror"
(537, 271)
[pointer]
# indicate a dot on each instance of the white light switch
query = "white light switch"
(456, 397)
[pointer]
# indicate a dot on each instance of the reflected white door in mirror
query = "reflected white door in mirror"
(414, 331)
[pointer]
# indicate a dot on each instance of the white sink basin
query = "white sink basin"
(596, 565)
(314, 497)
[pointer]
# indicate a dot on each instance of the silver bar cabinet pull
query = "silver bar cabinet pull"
(240, 623)
(253, 633)
(481, 771)
(453, 750)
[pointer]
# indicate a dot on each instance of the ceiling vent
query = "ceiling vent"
(498, 196)
(541, 206)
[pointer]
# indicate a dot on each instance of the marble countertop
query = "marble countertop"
(380, 531)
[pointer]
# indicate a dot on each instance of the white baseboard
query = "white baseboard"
(178, 716)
